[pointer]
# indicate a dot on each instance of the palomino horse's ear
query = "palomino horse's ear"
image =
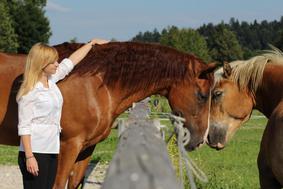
(227, 69)
(208, 70)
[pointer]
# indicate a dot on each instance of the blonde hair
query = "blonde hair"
(40, 55)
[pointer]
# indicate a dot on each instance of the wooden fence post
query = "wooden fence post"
(141, 160)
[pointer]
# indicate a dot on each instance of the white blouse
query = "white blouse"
(40, 113)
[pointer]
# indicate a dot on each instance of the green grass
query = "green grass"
(8, 155)
(231, 168)
(105, 150)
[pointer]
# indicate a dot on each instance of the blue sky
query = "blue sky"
(123, 19)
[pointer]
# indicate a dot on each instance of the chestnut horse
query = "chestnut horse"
(239, 88)
(12, 65)
(107, 82)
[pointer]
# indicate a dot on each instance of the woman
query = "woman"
(40, 104)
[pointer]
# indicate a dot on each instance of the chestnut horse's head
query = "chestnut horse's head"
(190, 99)
(233, 98)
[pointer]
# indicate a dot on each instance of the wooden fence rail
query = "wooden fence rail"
(141, 160)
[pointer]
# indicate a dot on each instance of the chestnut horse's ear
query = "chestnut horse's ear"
(208, 70)
(227, 69)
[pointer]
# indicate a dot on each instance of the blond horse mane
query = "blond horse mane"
(248, 73)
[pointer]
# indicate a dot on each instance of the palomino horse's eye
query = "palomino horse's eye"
(202, 97)
(217, 94)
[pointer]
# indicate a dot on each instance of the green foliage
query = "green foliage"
(29, 22)
(174, 154)
(74, 40)
(279, 42)
(8, 37)
(224, 45)
(147, 36)
(235, 40)
(162, 104)
(113, 40)
(252, 37)
(186, 40)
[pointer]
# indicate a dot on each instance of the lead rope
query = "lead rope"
(191, 168)
(184, 137)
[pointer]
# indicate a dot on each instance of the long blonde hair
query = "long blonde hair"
(40, 55)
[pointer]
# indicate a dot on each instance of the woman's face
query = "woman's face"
(51, 68)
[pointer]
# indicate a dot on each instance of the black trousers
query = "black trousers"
(47, 164)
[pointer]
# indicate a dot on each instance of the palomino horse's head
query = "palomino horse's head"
(233, 98)
(191, 100)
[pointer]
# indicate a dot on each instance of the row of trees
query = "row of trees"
(220, 42)
(22, 23)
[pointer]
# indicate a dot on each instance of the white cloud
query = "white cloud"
(51, 6)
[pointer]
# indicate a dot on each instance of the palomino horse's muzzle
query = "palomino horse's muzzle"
(217, 136)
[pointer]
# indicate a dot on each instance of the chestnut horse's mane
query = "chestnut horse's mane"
(134, 65)
(249, 73)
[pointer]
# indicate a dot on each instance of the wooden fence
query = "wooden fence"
(141, 160)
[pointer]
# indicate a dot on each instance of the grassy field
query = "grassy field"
(231, 168)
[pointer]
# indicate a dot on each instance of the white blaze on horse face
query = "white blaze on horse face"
(208, 118)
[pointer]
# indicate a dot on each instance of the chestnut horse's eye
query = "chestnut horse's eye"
(217, 94)
(202, 97)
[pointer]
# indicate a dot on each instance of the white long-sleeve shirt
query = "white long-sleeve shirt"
(40, 113)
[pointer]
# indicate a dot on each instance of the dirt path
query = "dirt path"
(11, 178)
(95, 175)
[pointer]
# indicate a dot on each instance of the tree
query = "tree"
(73, 40)
(186, 40)
(8, 38)
(29, 22)
(279, 42)
(148, 36)
(224, 45)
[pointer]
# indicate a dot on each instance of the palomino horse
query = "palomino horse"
(239, 88)
(109, 80)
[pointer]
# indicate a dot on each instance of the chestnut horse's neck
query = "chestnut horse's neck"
(270, 92)
(128, 97)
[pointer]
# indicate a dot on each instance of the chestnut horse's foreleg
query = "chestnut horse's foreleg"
(67, 158)
(79, 169)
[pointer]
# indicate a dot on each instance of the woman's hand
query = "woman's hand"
(32, 166)
(98, 41)
(80, 53)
